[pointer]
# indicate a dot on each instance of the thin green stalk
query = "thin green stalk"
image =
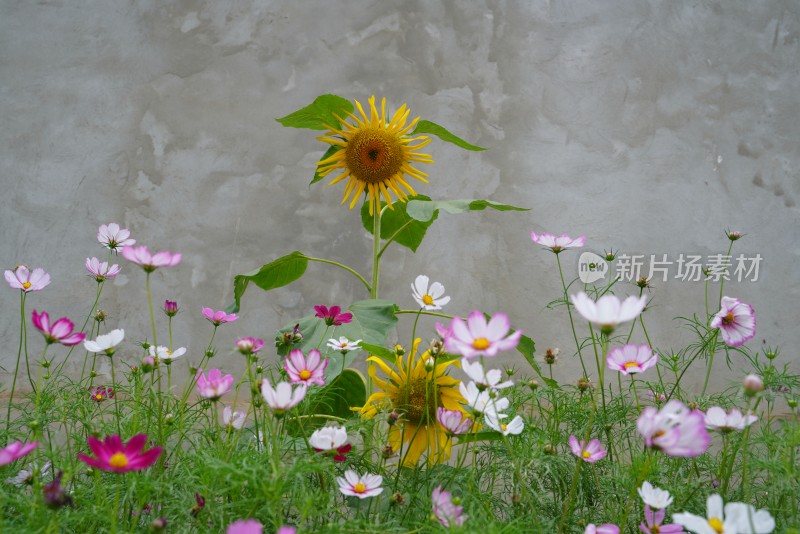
(569, 312)
(345, 267)
(150, 304)
(722, 278)
(116, 395)
(376, 246)
(19, 357)
(85, 322)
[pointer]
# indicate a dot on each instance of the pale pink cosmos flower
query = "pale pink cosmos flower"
(607, 528)
(27, 281)
(429, 299)
(674, 429)
(753, 384)
(631, 359)
(355, 485)
(558, 243)
(219, 317)
(490, 379)
(608, 311)
(447, 513)
(307, 370)
(343, 344)
(282, 397)
(215, 385)
(717, 419)
(150, 262)
(245, 526)
(736, 321)
(100, 269)
(453, 421)
(14, 451)
(233, 419)
(652, 523)
(588, 452)
(166, 355)
(478, 337)
(113, 237)
(249, 345)
(58, 332)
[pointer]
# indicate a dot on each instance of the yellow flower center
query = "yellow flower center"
(654, 529)
(628, 365)
(98, 397)
(169, 353)
(480, 344)
(118, 460)
(26, 285)
(305, 374)
(728, 320)
(427, 299)
(359, 488)
(586, 454)
(374, 155)
(504, 426)
(716, 524)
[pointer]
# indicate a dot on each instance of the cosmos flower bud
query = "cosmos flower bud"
(752, 385)
(643, 282)
(392, 418)
(610, 255)
(387, 451)
(549, 449)
(158, 524)
(734, 235)
(792, 403)
(170, 308)
(584, 384)
(399, 350)
(100, 316)
(397, 499)
(93, 374)
(430, 364)
(533, 384)
(551, 356)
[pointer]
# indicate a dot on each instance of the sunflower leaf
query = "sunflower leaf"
(381, 352)
(397, 225)
(320, 114)
(527, 347)
(332, 402)
(425, 210)
(328, 153)
(442, 133)
(275, 274)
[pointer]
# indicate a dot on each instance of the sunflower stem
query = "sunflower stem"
(376, 247)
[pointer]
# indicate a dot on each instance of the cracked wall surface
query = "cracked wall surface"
(650, 127)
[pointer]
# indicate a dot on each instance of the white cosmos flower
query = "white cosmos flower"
(106, 342)
(428, 298)
(608, 311)
(752, 521)
(26, 476)
(362, 487)
(483, 402)
(282, 397)
(343, 344)
(515, 426)
(233, 419)
(328, 438)
(484, 379)
(717, 419)
(164, 354)
(717, 520)
(657, 498)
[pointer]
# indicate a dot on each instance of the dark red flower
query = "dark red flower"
(332, 316)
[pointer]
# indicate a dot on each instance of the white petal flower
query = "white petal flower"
(106, 342)
(343, 344)
(164, 354)
(428, 298)
(718, 520)
(608, 311)
(655, 497)
(328, 438)
(717, 419)
(353, 484)
(282, 397)
(233, 419)
(515, 426)
(482, 402)
(484, 379)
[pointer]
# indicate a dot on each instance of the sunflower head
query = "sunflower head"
(415, 393)
(374, 154)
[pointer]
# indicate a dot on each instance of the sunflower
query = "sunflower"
(415, 393)
(375, 154)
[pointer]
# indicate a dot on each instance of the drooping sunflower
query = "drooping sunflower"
(374, 154)
(415, 393)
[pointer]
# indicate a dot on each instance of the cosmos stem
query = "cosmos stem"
(19, 357)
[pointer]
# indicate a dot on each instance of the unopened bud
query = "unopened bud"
(33, 425)
(792, 403)
(100, 316)
(392, 418)
(511, 371)
(259, 369)
(771, 354)
(399, 350)
(610, 255)
(158, 524)
(549, 449)
(643, 282)
(551, 356)
(93, 374)
(733, 235)
(210, 353)
(387, 451)
(46, 364)
(693, 406)
(397, 498)
(533, 384)
(168, 419)
(584, 384)
(752, 384)
(430, 364)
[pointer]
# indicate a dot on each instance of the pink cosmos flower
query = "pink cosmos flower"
(652, 523)
(101, 393)
(630, 359)
(219, 317)
(150, 262)
(608, 528)
(447, 513)
(287, 530)
(658, 397)
(249, 345)
(477, 337)
(27, 281)
(215, 385)
(282, 397)
(453, 421)
(170, 308)
(58, 332)
(307, 370)
(557, 244)
(674, 429)
(717, 419)
(355, 485)
(245, 526)
(591, 452)
(736, 321)
(113, 237)
(15, 451)
(112, 454)
(100, 269)
(233, 419)
(608, 311)
(332, 316)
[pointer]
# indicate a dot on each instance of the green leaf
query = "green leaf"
(278, 273)
(527, 347)
(428, 127)
(381, 352)
(407, 231)
(425, 210)
(348, 390)
(319, 115)
(328, 153)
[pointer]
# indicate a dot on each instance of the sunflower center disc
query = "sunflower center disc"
(374, 155)
(412, 402)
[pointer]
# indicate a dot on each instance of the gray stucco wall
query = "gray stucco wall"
(649, 126)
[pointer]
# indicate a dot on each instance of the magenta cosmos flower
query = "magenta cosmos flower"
(447, 513)
(150, 262)
(608, 528)
(282, 397)
(112, 454)
(674, 429)
(736, 321)
(306, 370)
(113, 237)
(631, 359)
(477, 337)
(245, 526)
(333, 316)
(717, 419)
(652, 523)
(58, 332)
(591, 452)
(219, 317)
(215, 385)
(557, 244)
(27, 281)
(359, 486)
(101, 393)
(15, 451)
(100, 269)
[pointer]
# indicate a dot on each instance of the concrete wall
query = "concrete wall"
(649, 126)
